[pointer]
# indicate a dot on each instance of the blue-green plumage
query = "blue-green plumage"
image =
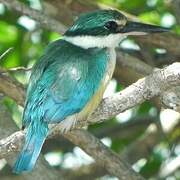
(94, 23)
(68, 81)
(62, 83)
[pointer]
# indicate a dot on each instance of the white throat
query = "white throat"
(86, 42)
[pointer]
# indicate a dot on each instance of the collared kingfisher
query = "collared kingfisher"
(68, 81)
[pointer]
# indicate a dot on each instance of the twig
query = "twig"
(19, 69)
(5, 53)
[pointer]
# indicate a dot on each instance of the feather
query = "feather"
(35, 137)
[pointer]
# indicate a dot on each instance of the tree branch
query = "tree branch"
(175, 4)
(144, 89)
(87, 172)
(11, 87)
(7, 126)
(102, 154)
(170, 41)
(131, 153)
(44, 20)
(138, 92)
(119, 131)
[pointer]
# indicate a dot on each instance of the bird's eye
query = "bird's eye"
(111, 25)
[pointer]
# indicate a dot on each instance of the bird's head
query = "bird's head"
(105, 28)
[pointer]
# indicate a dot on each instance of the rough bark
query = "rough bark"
(138, 92)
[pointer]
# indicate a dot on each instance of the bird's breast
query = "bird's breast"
(97, 97)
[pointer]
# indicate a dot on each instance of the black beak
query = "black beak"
(136, 28)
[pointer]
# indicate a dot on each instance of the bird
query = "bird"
(68, 81)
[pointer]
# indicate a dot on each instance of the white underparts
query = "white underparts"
(110, 67)
(86, 41)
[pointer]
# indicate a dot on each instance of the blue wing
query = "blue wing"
(63, 81)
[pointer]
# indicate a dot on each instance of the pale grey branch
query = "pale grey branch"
(143, 89)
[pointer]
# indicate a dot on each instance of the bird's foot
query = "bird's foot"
(67, 124)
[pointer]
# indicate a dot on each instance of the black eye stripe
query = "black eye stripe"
(111, 25)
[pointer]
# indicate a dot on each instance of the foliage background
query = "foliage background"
(147, 124)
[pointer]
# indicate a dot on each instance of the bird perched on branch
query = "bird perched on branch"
(68, 81)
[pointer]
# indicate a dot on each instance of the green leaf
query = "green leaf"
(8, 33)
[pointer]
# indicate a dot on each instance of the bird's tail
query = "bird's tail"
(35, 137)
